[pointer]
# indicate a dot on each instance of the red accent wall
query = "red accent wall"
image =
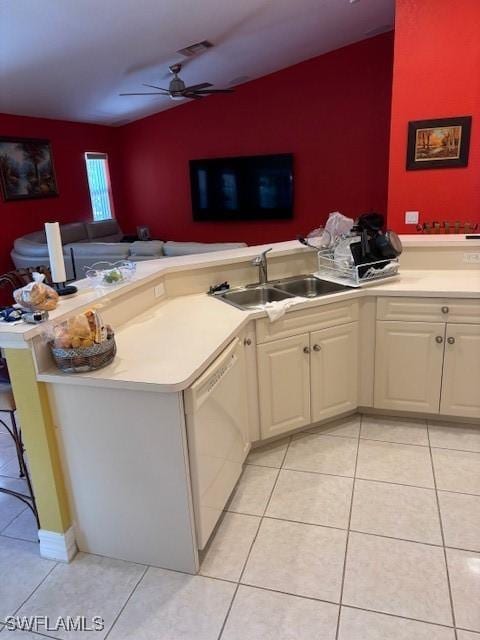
(436, 74)
(69, 142)
(332, 112)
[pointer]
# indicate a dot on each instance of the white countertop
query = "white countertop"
(18, 335)
(443, 240)
(166, 348)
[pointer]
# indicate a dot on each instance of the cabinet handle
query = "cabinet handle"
(439, 339)
(451, 340)
(445, 309)
(247, 342)
(316, 347)
(306, 349)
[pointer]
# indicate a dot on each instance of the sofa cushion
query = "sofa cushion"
(36, 236)
(73, 232)
(171, 248)
(144, 248)
(111, 250)
(105, 230)
(26, 247)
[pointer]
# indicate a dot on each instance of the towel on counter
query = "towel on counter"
(277, 309)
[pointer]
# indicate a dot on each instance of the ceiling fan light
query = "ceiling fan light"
(176, 97)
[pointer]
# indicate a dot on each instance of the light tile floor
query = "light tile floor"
(368, 529)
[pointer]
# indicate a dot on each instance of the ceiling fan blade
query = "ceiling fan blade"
(195, 87)
(156, 93)
(153, 86)
(208, 91)
(192, 95)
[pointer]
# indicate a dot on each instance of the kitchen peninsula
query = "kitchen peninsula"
(113, 452)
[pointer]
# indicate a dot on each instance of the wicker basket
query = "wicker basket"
(87, 359)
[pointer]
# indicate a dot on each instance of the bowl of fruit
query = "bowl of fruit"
(108, 274)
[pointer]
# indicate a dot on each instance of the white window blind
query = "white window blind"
(99, 185)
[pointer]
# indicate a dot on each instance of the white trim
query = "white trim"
(57, 546)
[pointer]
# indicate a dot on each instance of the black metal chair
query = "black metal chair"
(7, 406)
(13, 280)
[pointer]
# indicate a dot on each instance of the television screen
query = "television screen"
(242, 188)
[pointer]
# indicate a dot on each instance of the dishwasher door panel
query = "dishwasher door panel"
(217, 427)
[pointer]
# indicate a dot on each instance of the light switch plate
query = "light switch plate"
(471, 258)
(411, 217)
(159, 290)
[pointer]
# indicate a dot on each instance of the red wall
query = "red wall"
(436, 74)
(332, 112)
(69, 142)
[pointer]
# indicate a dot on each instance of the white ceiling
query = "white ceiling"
(69, 59)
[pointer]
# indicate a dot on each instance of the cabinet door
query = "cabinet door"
(408, 365)
(461, 371)
(284, 384)
(334, 371)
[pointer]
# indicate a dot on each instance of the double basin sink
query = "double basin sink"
(252, 296)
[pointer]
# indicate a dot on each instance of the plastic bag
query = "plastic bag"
(337, 226)
(36, 295)
(79, 332)
(319, 238)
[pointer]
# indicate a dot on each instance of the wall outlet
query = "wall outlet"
(159, 290)
(411, 217)
(471, 258)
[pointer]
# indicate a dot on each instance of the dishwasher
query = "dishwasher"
(216, 410)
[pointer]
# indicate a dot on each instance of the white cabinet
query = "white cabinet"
(306, 378)
(427, 356)
(461, 371)
(284, 384)
(334, 371)
(408, 365)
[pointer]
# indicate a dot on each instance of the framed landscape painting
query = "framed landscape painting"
(438, 144)
(26, 169)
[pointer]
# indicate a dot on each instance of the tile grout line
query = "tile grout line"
(359, 438)
(348, 606)
(55, 565)
(443, 536)
(410, 444)
(239, 581)
(39, 634)
(11, 522)
(401, 484)
(439, 545)
(126, 602)
(344, 570)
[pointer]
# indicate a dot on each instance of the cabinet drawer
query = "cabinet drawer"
(429, 310)
(313, 319)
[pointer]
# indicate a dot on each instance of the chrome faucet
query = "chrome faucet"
(261, 262)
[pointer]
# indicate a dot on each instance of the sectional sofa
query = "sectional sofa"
(90, 242)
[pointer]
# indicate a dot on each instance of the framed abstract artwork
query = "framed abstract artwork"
(438, 144)
(26, 169)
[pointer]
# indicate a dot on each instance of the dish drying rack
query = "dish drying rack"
(330, 270)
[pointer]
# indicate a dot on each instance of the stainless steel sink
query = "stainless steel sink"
(250, 297)
(308, 286)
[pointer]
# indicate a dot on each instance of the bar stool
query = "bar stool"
(7, 405)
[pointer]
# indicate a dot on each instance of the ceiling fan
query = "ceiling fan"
(177, 89)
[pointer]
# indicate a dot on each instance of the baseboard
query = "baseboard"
(57, 546)
(416, 415)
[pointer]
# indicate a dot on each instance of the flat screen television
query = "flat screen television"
(242, 188)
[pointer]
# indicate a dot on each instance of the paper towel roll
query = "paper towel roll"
(55, 252)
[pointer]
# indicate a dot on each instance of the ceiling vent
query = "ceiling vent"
(194, 49)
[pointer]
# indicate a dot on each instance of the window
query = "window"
(99, 185)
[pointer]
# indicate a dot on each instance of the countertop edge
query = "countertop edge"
(53, 377)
